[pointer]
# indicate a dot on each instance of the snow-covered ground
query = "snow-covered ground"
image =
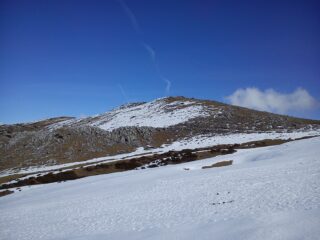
(153, 114)
(189, 143)
(157, 113)
(268, 193)
(208, 140)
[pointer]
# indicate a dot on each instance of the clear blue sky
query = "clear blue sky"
(75, 58)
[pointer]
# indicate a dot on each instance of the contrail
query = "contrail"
(168, 85)
(151, 52)
(123, 93)
(131, 16)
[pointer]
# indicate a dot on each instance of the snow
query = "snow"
(153, 114)
(200, 141)
(158, 114)
(268, 193)
(61, 124)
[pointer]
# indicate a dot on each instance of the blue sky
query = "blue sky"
(79, 58)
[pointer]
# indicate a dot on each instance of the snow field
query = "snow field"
(268, 193)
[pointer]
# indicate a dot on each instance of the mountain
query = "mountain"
(147, 124)
(173, 168)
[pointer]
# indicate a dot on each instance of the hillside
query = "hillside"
(124, 129)
(173, 168)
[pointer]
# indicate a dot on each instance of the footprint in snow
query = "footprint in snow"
(224, 202)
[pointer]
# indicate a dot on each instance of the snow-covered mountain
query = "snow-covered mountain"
(160, 113)
(162, 121)
(173, 168)
(157, 114)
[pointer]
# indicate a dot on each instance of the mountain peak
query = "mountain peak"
(159, 113)
(123, 129)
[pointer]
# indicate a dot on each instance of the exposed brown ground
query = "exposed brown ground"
(32, 144)
(10, 178)
(5, 192)
(219, 164)
(156, 160)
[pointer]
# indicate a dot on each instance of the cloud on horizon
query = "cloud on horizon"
(273, 101)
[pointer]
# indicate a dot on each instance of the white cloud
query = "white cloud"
(273, 101)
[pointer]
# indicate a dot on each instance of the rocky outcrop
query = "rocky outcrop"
(68, 144)
(65, 139)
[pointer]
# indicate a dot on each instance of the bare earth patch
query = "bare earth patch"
(142, 162)
(219, 164)
(6, 192)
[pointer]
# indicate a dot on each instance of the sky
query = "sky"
(80, 58)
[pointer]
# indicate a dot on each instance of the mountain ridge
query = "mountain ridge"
(123, 129)
(130, 104)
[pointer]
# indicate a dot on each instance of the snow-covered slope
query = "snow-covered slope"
(268, 193)
(152, 114)
(160, 113)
